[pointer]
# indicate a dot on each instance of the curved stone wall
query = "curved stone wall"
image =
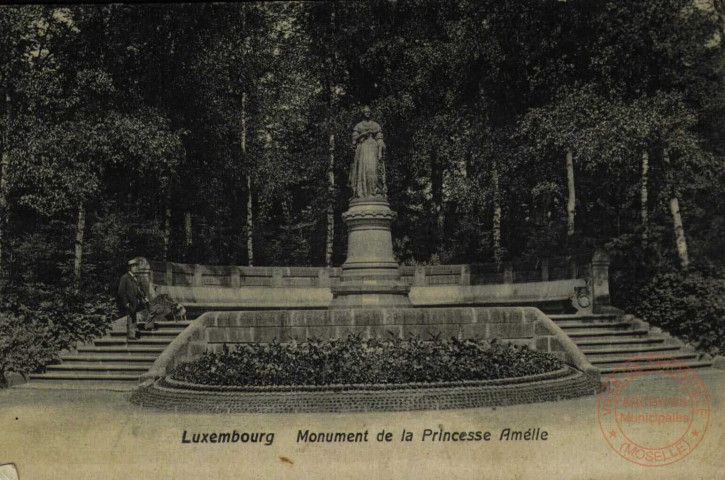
(168, 394)
(519, 325)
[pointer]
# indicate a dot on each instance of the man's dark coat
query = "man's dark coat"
(129, 292)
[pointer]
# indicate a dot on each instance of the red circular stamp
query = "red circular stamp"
(653, 410)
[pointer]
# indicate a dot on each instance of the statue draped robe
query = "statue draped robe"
(367, 176)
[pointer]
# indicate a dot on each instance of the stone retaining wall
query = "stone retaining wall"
(169, 395)
(518, 325)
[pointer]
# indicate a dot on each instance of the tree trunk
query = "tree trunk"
(250, 212)
(3, 210)
(250, 224)
(643, 199)
(80, 229)
(571, 200)
(330, 204)
(719, 7)
(331, 110)
(167, 225)
(437, 192)
(188, 232)
(679, 232)
(468, 163)
(497, 250)
(4, 169)
(676, 216)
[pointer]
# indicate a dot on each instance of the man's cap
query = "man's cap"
(133, 261)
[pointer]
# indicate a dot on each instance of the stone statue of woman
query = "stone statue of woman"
(367, 175)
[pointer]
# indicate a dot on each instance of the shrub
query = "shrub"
(688, 304)
(354, 360)
(25, 346)
(38, 321)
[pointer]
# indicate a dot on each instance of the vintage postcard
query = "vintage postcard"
(372, 239)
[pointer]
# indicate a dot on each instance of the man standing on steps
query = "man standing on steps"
(131, 296)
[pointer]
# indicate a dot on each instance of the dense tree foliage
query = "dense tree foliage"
(220, 133)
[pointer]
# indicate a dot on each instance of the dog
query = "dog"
(179, 313)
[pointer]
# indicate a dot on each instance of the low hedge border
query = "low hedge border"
(173, 395)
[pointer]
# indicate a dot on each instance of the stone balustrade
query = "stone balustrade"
(581, 281)
(560, 268)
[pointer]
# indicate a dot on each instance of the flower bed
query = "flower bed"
(354, 360)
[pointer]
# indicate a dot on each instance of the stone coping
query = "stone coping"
(296, 297)
(170, 382)
(571, 383)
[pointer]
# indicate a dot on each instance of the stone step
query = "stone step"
(160, 333)
(48, 384)
(690, 364)
(193, 311)
(120, 350)
(593, 334)
(612, 342)
(109, 341)
(173, 324)
(164, 341)
(576, 324)
(578, 316)
(632, 351)
(136, 358)
(606, 361)
(119, 341)
(97, 367)
(105, 377)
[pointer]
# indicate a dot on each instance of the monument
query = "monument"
(370, 301)
(370, 276)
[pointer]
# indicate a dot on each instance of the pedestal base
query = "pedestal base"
(370, 277)
(357, 294)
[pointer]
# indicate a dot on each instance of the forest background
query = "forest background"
(221, 134)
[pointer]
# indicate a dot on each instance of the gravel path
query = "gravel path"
(55, 433)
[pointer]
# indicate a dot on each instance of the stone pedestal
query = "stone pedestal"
(370, 277)
(144, 274)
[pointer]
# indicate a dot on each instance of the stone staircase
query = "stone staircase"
(608, 340)
(114, 362)
(110, 361)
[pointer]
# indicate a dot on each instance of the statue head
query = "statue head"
(366, 112)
